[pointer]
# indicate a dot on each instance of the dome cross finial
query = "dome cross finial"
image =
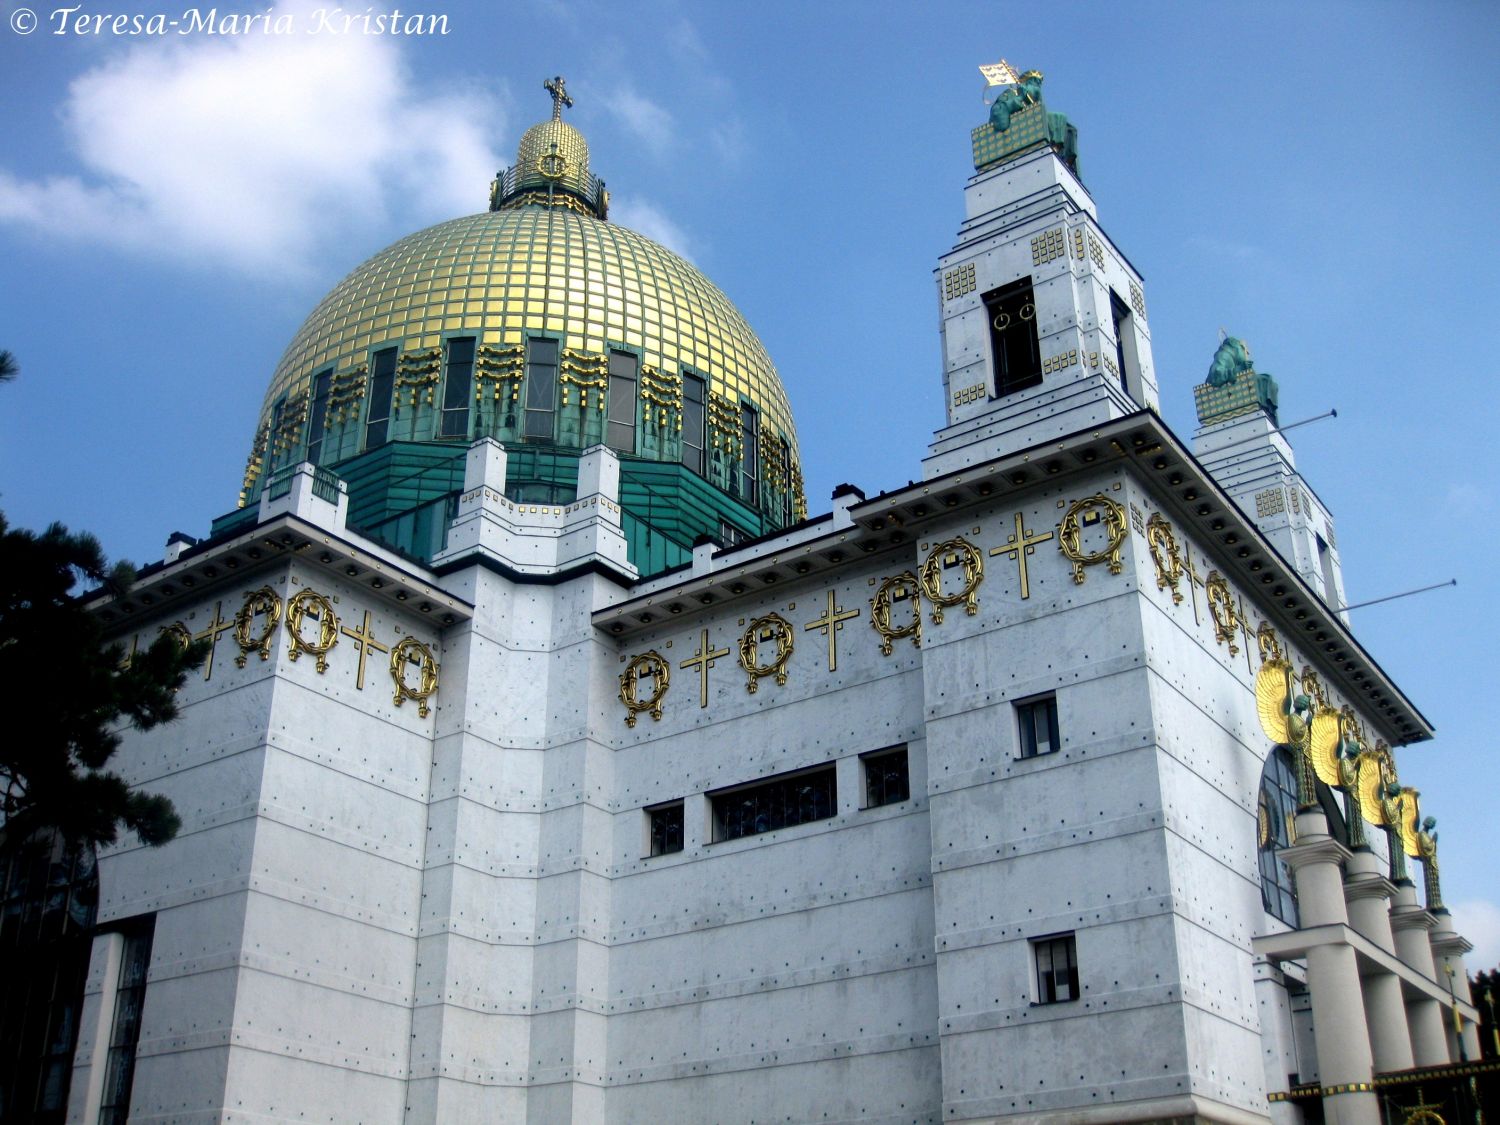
(558, 88)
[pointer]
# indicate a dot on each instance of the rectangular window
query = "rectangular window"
(458, 387)
(750, 459)
(1013, 338)
(731, 536)
(620, 432)
(781, 802)
(130, 998)
(666, 828)
(541, 389)
(382, 384)
(1037, 719)
(886, 781)
(318, 417)
(692, 423)
(1056, 968)
(1119, 313)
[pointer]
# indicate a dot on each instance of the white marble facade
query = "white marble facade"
(375, 915)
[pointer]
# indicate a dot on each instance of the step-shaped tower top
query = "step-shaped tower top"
(1043, 319)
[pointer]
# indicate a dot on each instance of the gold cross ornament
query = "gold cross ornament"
(831, 622)
(1021, 544)
(703, 660)
(364, 640)
(211, 635)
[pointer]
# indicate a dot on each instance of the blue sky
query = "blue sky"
(1317, 178)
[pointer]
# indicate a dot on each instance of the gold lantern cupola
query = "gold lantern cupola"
(552, 166)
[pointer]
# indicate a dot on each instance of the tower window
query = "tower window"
(1056, 959)
(624, 368)
(1119, 314)
(750, 459)
(1037, 723)
(382, 384)
(692, 423)
(318, 418)
(458, 383)
(541, 388)
(1013, 340)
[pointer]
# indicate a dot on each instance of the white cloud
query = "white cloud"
(260, 152)
(1479, 920)
(646, 219)
(650, 122)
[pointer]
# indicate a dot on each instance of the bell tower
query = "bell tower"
(1044, 328)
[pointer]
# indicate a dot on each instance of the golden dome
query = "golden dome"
(554, 150)
(505, 274)
(543, 270)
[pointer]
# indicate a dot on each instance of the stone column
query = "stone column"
(1367, 890)
(1345, 1063)
(1410, 924)
(1448, 949)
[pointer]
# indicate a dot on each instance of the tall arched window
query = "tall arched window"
(49, 897)
(1276, 827)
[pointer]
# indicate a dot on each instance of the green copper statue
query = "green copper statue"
(1230, 362)
(1015, 98)
(1061, 133)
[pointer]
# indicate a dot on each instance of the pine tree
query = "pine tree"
(70, 694)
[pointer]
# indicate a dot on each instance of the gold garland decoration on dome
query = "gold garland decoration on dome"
(953, 552)
(763, 630)
(310, 604)
(1166, 555)
(645, 664)
(409, 651)
(266, 604)
(901, 587)
(1070, 533)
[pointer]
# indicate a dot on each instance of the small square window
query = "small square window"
(1037, 720)
(1056, 968)
(666, 828)
(886, 780)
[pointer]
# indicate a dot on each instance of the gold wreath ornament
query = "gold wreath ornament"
(1085, 513)
(1166, 556)
(308, 604)
(650, 664)
(1221, 609)
(409, 651)
(901, 587)
(265, 604)
(1270, 647)
(179, 633)
(950, 553)
(764, 630)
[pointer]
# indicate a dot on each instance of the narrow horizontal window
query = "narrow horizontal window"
(780, 802)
